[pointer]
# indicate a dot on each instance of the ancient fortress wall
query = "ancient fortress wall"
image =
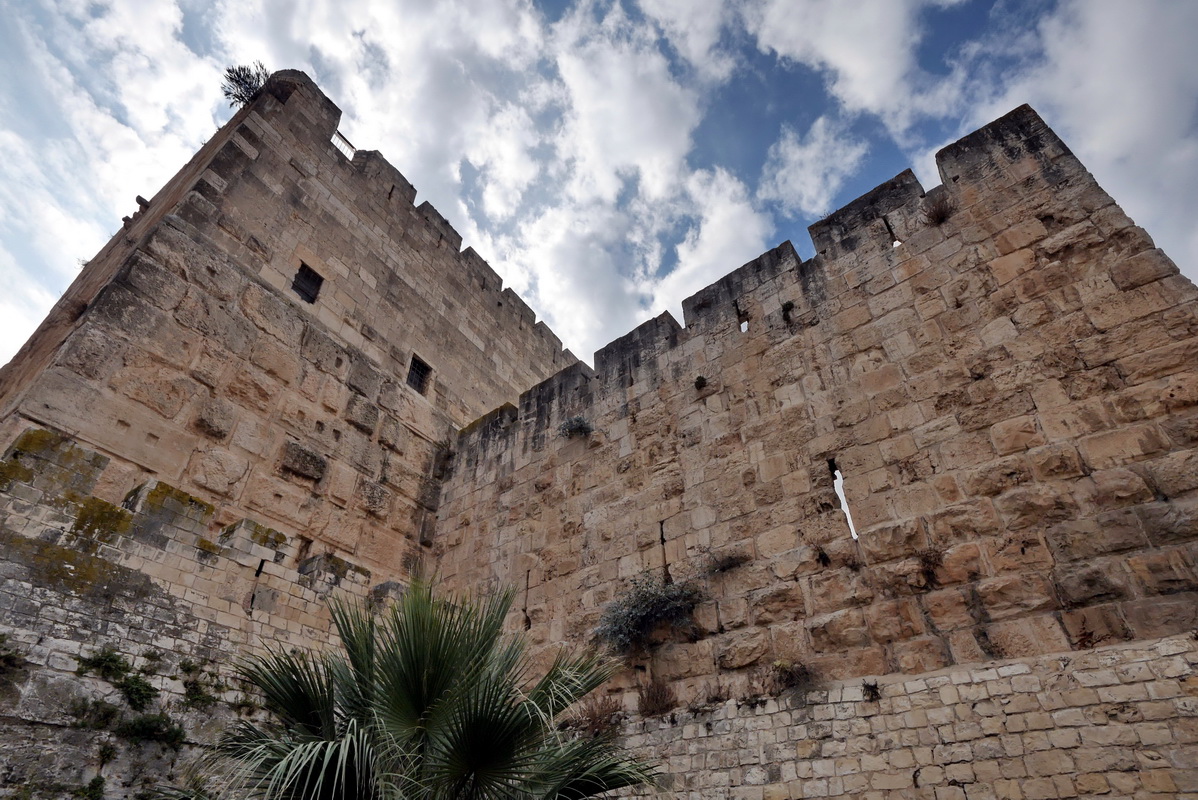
(1009, 390)
(194, 458)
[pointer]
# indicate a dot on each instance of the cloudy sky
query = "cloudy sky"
(608, 157)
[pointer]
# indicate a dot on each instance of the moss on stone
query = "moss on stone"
(100, 521)
(38, 442)
(162, 495)
(70, 570)
(267, 537)
(208, 546)
(13, 471)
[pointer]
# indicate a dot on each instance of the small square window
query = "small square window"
(418, 375)
(307, 283)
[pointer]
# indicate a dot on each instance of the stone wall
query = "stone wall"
(192, 360)
(195, 455)
(1118, 721)
(1003, 370)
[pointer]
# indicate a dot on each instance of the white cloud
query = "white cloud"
(802, 175)
(728, 232)
(868, 52)
(627, 118)
(694, 29)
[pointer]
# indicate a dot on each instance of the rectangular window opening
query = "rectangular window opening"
(418, 374)
(307, 283)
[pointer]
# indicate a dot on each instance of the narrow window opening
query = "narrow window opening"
(418, 374)
(666, 577)
(307, 283)
(527, 584)
(744, 327)
(838, 485)
(894, 240)
(261, 566)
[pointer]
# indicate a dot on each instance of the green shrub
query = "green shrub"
(575, 426)
(92, 790)
(195, 694)
(629, 620)
(151, 728)
(108, 664)
(138, 692)
(95, 715)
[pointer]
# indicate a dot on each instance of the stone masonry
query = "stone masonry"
(283, 379)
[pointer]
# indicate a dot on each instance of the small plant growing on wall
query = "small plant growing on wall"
(655, 698)
(629, 620)
(598, 715)
(717, 563)
(938, 210)
(574, 427)
(791, 675)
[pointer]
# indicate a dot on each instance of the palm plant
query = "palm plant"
(429, 700)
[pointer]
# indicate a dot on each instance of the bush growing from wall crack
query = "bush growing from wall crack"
(630, 619)
(575, 426)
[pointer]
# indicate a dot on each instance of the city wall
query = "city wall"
(195, 456)
(1002, 368)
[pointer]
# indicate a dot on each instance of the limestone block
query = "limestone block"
(152, 383)
(253, 388)
(890, 542)
(1114, 488)
(1037, 504)
(1056, 461)
(93, 352)
(839, 630)
(998, 476)
(362, 414)
(949, 609)
(218, 470)
(777, 604)
(1176, 473)
(1095, 626)
(1092, 583)
(894, 620)
(203, 313)
(320, 349)
(1161, 616)
(1015, 595)
(392, 434)
(836, 589)
(916, 656)
(742, 648)
(1170, 522)
(363, 378)
(375, 499)
(301, 461)
(963, 522)
(1142, 268)
(1164, 572)
(273, 315)
(215, 418)
(277, 360)
(156, 284)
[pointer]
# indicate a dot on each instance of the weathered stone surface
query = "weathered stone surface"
(303, 462)
(216, 417)
(1014, 595)
(362, 414)
(742, 649)
(272, 315)
(839, 630)
(1092, 583)
(1165, 572)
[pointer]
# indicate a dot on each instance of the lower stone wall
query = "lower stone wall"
(1119, 721)
(160, 594)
